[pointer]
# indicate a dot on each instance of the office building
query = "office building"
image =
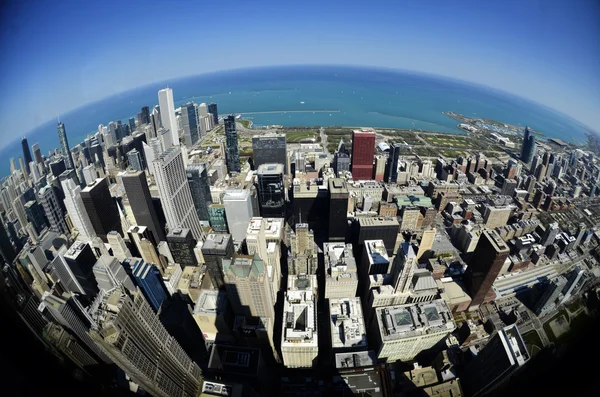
(212, 109)
(528, 147)
(426, 243)
(149, 280)
(64, 146)
(391, 169)
(403, 331)
(302, 256)
(200, 189)
(68, 345)
(484, 266)
(175, 195)
(238, 208)
(269, 148)
(75, 207)
(167, 114)
(54, 214)
(375, 259)
(134, 158)
(101, 208)
(6, 248)
(271, 190)
(181, 244)
(338, 209)
(80, 260)
(232, 153)
(26, 154)
(410, 218)
(35, 214)
(117, 245)
(268, 251)
(216, 248)
(213, 317)
(299, 339)
(217, 218)
(131, 334)
(379, 228)
(247, 286)
(341, 278)
(145, 115)
(140, 201)
(347, 324)
(341, 159)
(493, 366)
(189, 122)
(110, 274)
(363, 152)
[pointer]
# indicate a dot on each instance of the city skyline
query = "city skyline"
(551, 70)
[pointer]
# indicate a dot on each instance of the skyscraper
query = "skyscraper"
(200, 189)
(216, 248)
(189, 122)
(64, 145)
(6, 248)
(140, 200)
(54, 213)
(75, 207)
(110, 273)
(238, 209)
(212, 109)
(391, 169)
(528, 147)
(181, 244)
(148, 278)
(26, 153)
(101, 208)
(175, 195)
(81, 260)
(167, 114)
(484, 266)
(363, 152)
(37, 153)
(145, 115)
(271, 190)
(341, 159)
(134, 158)
(232, 153)
(269, 148)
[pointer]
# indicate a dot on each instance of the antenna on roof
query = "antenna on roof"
(58, 117)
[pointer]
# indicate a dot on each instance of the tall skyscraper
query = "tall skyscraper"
(212, 109)
(200, 189)
(338, 209)
(232, 153)
(363, 152)
(64, 146)
(6, 248)
(145, 115)
(37, 153)
(138, 343)
(75, 207)
(271, 190)
(216, 248)
(134, 158)
(528, 147)
(269, 148)
(101, 208)
(148, 278)
(117, 245)
(181, 244)
(175, 195)
(238, 208)
(341, 159)
(391, 169)
(189, 122)
(484, 266)
(140, 201)
(53, 211)
(81, 260)
(110, 273)
(167, 114)
(26, 153)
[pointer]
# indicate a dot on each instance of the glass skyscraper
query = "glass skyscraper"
(231, 140)
(189, 121)
(64, 145)
(26, 153)
(200, 189)
(212, 109)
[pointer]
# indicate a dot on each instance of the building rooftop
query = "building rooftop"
(270, 169)
(347, 323)
(75, 249)
(405, 321)
(299, 318)
(378, 221)
(178, 232)
(235, 359)
(216, 241)
(376, 252)
(355, 359)
(243, 266)
(339, 258)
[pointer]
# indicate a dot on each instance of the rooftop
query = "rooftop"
(347, 323)
(299, 318)
(376, 252)
(270, 168)
(378, 221)
(216, 241)
(355, 359)
(75, 249)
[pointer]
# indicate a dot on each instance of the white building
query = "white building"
(238, 208)
(167, 114)
(299, 340)
(341, 280)
(117, 244)
(210, 313)
(269, 252)
(175, 194)
(347, 325)
(405, 330)
(76, 210)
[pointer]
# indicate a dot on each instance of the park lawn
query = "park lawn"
(244, 123)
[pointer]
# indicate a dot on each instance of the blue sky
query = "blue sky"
(60, 55)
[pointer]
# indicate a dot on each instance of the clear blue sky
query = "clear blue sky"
(59, 55)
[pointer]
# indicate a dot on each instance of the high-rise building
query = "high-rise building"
(381, 228)
(348, 332)
(232, 152)
(181, 244)
(528, 147)
(117, 245)
(338, 209)
(35, 214)
(134, 158)
(217, 218)
(148, 279)
(268, 149)
(403, 331)
(502, 356)
(131, 334)
(140, 201)
(110, 273)
(142, 238)
(299, 339)
(145, 115)
(200, 189)
(167, 114)
(215, 249)
(302, 256)
(485, 265)
(238, 208)
(75, 207)
(54, 214)
(6, 248)
(271, 190)
(175, 194)
(189, 122)
(26, 153)
(212, 109)
(341, 278)
(426, 242)
(101, 208)
(341, 159)
(37, 153)
(211, 313)
(363, 152)
(64, 145)
(81, 260)
(391, 169)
